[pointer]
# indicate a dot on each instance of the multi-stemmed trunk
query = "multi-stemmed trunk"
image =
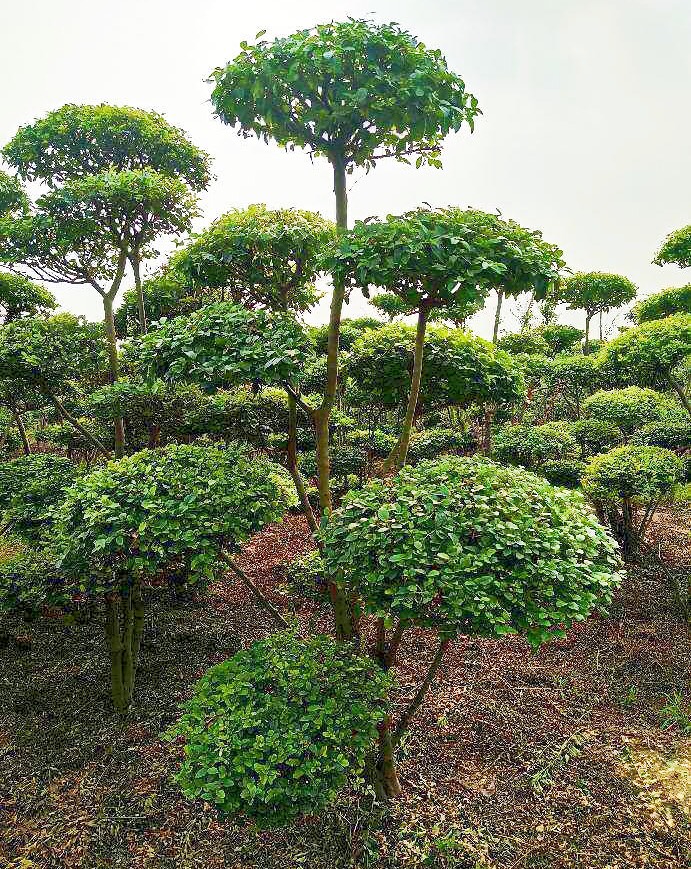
(124, 628)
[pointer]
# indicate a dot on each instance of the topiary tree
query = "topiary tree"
(675, 300)
(176, 507)
(676, 248)
(435, 258)
(20, 297)
(44, 356)
(31, 488)
(629, 409)
(669, 432)
(467, 548)
(530, 343)
(596, 293)
(277, 730)
(569, 380)
(354, 92)
(655, 354)
(627, 485)
(595, 435)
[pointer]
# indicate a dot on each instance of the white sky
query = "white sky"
(585, 133)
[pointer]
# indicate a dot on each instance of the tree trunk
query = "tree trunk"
(343, 617)
(261, 598)
(134, 262)
(400, 451)
(497, 316)
(679, 389)
(586, 340)
(386, 784)
(416, 702)
(111, 338)
(600, 325)
(17, 417)
(292, 461)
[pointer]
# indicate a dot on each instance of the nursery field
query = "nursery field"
(564, 758)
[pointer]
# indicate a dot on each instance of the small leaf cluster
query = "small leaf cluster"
(530, 343)
(672, 433)
(563, 472)
(29, 578)
(594, 435)
(470, 547)
(305, 577)
(174, 506)
(432, 442)
(676, 248)
(277, 730)
(20, 297)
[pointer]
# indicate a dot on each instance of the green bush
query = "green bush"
(627, 485)
(29, 579)
(305, 577)
(666, 303)
(377, 442)
(433, 442)
(530, 343)
(31, 488)
(594, 435)
(563, 472)
(561, 337)
(470, 547)
(629, 409)
(143, 513)
(531, 446)
(279, 729)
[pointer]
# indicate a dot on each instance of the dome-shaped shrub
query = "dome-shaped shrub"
(630, 408)
(471, 547)
(278, 729)
(530, 446)
(627, 485)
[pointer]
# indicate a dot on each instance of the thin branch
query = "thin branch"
(257, 592)
(416, 702)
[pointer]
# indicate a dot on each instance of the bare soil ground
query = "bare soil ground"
(555, 759)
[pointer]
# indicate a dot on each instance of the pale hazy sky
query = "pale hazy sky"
(585, 133)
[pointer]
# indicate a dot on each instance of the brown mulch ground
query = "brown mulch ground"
(555, 759)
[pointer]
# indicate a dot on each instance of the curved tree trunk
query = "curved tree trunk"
(497, 316)
(18, 421)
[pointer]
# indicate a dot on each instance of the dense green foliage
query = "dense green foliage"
(162, 508)
(676, 248)
(20, 297)
(470, 547)
(31, 488)
(278, 729)
(628, 409)
(225, 345)
(75, 140)
(531, 446)
(675, 300)
(259, 257)
(353, 89)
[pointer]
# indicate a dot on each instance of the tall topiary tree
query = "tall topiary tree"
(674, 300)
(596, 293)
(433, 259)
(354, 92)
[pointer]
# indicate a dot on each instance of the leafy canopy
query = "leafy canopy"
(279, 729)
(531, 446)
(649, 354)
(260, 257)
(675, 300)
(445, 257)
(21, 297)
(160, 508)
(594, 292)
(74, 141)
(459, 368)
(353, 90)
(646, 474)
(676, 248)
(630, 408)
(224, 345)
(13, 199)
(470, 547)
